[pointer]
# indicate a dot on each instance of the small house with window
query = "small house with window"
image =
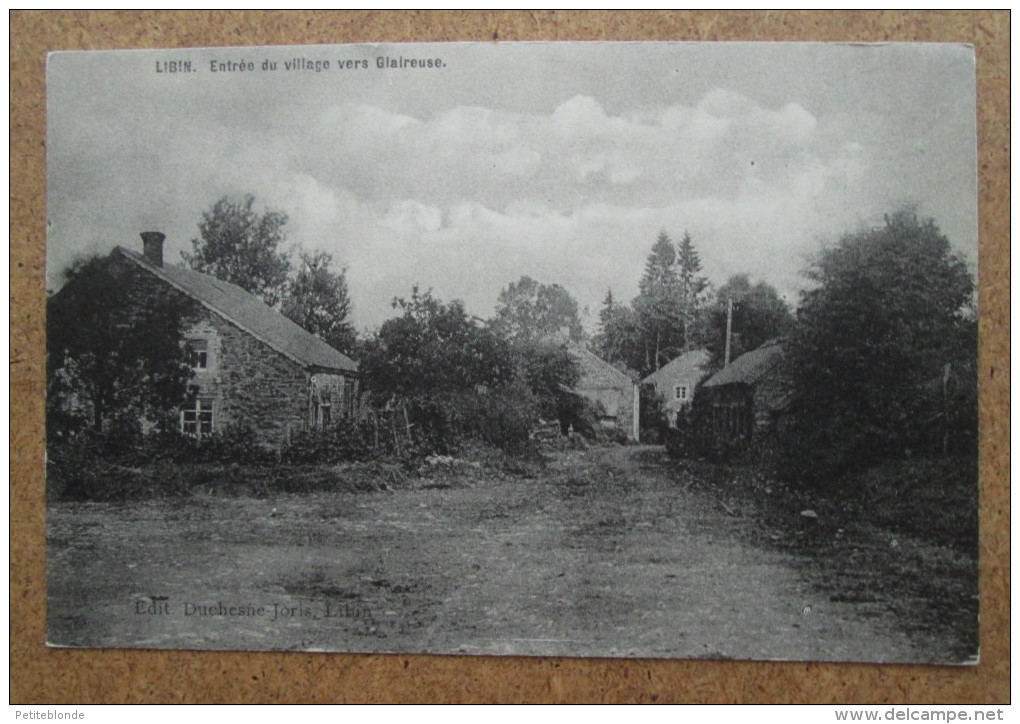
(252, 367)
(677, 381)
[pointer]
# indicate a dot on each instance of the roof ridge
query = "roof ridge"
(580, 348)
(268, 315)
(749, 366)
(652, 377)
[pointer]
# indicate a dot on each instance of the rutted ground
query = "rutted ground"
(609, 552)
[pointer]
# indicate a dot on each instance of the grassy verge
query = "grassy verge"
(899, 537)
(100, 480)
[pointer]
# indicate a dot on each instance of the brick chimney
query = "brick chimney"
(152, 246)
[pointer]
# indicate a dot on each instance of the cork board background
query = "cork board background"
(39, 675)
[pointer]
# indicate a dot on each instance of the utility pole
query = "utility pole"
(729, 328)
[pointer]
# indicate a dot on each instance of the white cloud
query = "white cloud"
(411, 220)
(517, 161)
(580, 118)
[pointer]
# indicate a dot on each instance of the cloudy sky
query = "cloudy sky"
(560, 161)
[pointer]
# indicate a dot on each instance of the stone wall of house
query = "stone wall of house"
(666, 388)
(728, 415)
(618, 402)
(338, 392)
(625, 411)
(602, 383)
(686, 371)
(250, 383)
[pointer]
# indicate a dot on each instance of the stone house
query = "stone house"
(614, 391)
(746, 399)
(252, 366)
(677, 382)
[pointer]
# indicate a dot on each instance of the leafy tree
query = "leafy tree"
(669, 302)
(528, 311)
(538, 321)
(884, 350)
(618, 340)
(317, 299)
(550, 371)
(115, 345)
(241, 246)
(433, 347)
(759, 314)
(454, 376)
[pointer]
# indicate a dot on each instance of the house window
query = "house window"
(681, 392)
(349, 398)
(322, 406)
(197, 418)
(198, 354)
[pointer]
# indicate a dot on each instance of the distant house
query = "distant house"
(677, 381)
(615, 391)
(745, 399)
(252, 366)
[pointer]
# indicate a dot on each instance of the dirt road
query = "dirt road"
(609, 552)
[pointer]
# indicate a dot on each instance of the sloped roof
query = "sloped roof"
(596, 373)
(250, 314)
(748, 368)
(693, 361)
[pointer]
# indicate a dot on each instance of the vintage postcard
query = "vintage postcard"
(559, 349)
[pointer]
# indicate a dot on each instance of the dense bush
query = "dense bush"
(360, 439)
(114, 346)
(501, 416)
(121, 462)
(94, 479)
(884, 353)
(695, 435)
(580, 415)
(654, 426)
(674, 441)
(234, 444)
(613, 435)
(413, 428)
(459, 380)
(504, 418)
(935, 498)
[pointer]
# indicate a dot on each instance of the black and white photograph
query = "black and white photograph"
(584, 349)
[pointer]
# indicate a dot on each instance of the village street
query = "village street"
(615, 549)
